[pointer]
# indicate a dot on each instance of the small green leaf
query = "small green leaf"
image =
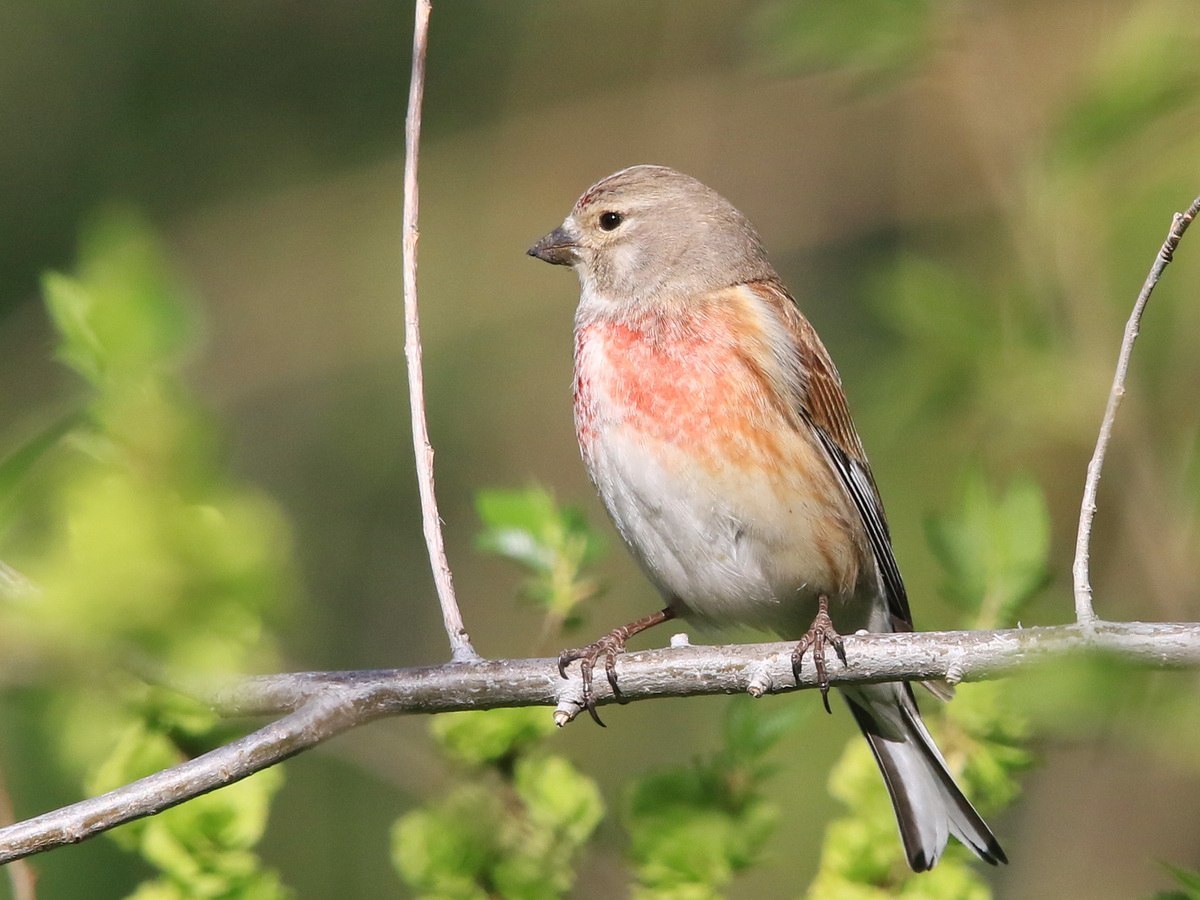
(1188, 880)
(487, 737)
(558, 797)
(70, 307)
(445, 851)
(995, 549)
(693, 827)
(553, 542)
(752, 728)
(123, 316)
(18, 463)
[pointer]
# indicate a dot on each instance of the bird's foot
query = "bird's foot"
(818, 635)
(606, 648)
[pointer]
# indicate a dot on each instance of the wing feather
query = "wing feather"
(821, 402)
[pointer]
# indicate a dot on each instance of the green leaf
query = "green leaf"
(692, 828)
(1189, 884)
(446, 851)
(562, 808)
(18, 463)
(124, 315)
(752, 728)
(487, 737)
(515, 839)
(559, 798)
(71, 307)
(994, 549)
(553, 542)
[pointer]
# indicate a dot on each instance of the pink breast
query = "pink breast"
(693, 384)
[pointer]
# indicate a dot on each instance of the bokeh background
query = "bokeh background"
(964, 198)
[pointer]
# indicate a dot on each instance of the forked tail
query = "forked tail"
(929, 805)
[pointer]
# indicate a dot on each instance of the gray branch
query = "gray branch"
(317, 706)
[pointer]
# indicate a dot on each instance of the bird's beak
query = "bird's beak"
(557, 248)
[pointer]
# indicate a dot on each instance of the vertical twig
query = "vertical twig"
(460, 642)
(1084, 612)
(22, 879)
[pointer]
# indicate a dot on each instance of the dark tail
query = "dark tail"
(929, 806)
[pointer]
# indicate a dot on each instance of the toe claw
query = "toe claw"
(610, 669)
(840, 648)
(816, 638)
(608, 647)
(590, 706)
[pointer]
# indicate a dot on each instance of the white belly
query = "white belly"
(728, 547)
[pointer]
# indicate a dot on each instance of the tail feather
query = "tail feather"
(929, 805)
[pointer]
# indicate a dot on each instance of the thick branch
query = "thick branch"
(325, 715)
(1085, 614)
(320, 705)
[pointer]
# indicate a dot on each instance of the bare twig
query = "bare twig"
(460, 641)
(320, 705)
(1084, 612)
(21, 877)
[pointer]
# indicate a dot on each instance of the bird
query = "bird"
(714, 425)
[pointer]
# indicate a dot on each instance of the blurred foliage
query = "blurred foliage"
(1148, 73)
(874, 41)
(1189, 885)
(142, 557)
(691, 829)
(553, 542)
(513, 824)
(995, 551)
(202, 848)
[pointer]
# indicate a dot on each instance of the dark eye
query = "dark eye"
(610, 220)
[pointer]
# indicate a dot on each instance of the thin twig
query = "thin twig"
(1084, 612)
(22, 879)
(328, 703)
(460, 643)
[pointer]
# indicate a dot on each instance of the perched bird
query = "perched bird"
(713, 424)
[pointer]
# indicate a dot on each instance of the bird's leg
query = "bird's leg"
(607, 647)
(819, 633)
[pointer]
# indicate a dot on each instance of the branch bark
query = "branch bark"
(321, 705)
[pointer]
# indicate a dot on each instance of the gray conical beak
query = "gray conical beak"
(556, 248)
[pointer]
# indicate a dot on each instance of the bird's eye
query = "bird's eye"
(610, 220)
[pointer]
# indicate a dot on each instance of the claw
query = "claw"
(608, 647)
(816, 637)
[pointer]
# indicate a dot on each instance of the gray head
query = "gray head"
(649, 233)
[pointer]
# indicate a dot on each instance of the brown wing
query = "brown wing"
(821, 402)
